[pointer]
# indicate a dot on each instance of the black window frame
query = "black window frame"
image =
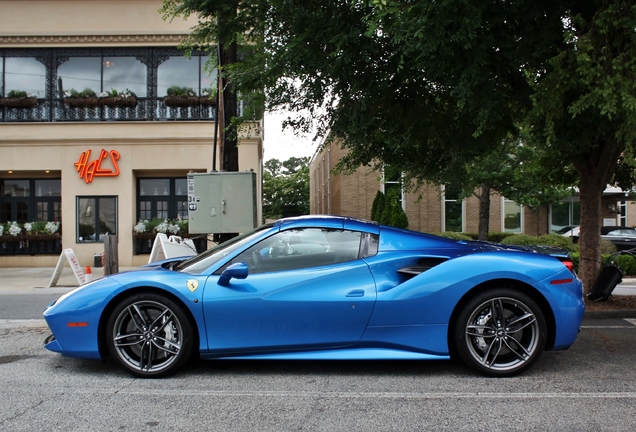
(95, 213)
(32, 200)
(174, 211)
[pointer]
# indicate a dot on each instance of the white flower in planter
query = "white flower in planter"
(52, 227)
(14, 229)
(141, 227)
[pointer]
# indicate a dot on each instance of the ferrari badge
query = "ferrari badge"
(193, 285)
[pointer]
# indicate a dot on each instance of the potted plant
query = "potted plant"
(19, 99)
(82, 99)
(125, 98)
(208, 97)
(180, 97)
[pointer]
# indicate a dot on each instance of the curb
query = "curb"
(627, 313)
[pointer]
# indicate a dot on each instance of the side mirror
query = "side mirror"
(237, 270)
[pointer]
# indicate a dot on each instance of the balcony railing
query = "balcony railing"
(144, 109)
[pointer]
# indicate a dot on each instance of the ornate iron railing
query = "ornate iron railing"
(144, 109)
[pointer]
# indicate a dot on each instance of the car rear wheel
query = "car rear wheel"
(500, 332)
(149, 335)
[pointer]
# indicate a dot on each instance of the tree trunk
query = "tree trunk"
(229, 109)
(229, 159)
(595, 171)
(484, 211)
(589, 237)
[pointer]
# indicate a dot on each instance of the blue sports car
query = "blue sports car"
(327, 287)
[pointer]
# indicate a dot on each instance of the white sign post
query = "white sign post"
(69, 255)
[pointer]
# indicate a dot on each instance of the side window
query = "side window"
(301, 248)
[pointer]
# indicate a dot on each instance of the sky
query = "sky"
(282, 146)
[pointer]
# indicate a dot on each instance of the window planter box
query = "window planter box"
(206, 101)
(181, 101)
(81, 102)
(25, 102)
(128, 102)
(44, 244)
(13, 245)
(36, 244)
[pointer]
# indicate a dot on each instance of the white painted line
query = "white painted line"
(362, 395)
(17, 323)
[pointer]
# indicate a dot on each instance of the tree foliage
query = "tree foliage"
(286, 188)
(387, 210)
(378, 206)
(431, 86)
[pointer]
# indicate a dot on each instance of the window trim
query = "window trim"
(505, 200)
(444, 201)
(95, 215)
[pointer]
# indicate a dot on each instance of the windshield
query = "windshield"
(199, 263)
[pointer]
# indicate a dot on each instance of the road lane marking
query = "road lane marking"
(17, 323)
(362, 395)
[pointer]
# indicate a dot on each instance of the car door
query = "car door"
(307, 288)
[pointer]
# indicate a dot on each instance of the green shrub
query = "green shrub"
(498, 237)
(398, 216)
(627, 263)
(378, 206)
(180, 91)
(17, 94)
(454, 235)
(576, 258)
(521, 239)
(607, 247)
(559, 241)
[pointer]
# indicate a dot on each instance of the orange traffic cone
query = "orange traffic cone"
(88, 274)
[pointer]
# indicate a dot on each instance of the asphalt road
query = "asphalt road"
(590, 387)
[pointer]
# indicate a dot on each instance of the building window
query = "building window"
(162, 198)
(393, 183)
(23, 74)
(512, 216)
(52, 74)
(30, 200)
(103, 73)
(622, 213)
(186, 73)
(453, 214)
(565, 214)
(96, 217)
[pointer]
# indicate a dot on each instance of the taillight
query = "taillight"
(568, 263)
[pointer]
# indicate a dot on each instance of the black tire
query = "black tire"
(149, 335)
(500, 332)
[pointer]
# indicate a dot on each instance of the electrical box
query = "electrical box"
(221, 202)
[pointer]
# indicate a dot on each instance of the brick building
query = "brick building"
(433, 209)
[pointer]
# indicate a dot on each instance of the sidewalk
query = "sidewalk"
(37, 279)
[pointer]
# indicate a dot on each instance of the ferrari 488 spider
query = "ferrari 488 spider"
(327, 287)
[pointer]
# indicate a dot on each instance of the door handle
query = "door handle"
(355, 293)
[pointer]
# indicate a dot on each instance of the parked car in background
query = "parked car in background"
(570, 231)
(623, 238)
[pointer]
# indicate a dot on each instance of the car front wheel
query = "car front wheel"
(500, 332)
(149, 335)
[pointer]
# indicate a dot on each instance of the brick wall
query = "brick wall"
(352, 195)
